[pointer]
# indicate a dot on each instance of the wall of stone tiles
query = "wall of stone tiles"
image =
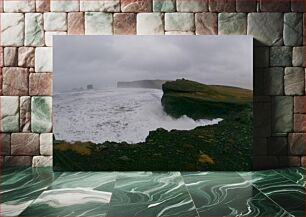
(27, 27)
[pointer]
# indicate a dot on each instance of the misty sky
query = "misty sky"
(104, 60)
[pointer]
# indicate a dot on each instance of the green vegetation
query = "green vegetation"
(225, 146)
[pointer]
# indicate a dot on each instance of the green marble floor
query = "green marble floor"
(42, 192)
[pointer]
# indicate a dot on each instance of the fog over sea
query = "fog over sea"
(114, 114)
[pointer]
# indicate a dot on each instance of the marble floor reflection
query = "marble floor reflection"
(42, 192)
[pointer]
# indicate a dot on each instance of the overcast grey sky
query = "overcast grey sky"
(104, 60)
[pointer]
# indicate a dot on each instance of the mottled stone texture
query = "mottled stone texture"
(67, 6)
(46, 143)
(298, 56)
(278, 146)
(266, 28)
(191, 5)
(299, 123)
(294, 81)
(12, 27)
(41, 114)
(275, 6)
(101, 5)
(5, 144)
(1, 56)
(42, 5)
(222, 5)
(179, 33)
(25, 144)
(280, 56)
(179, 22)
(297, 5)
(232, 23)
(289, 161)
(296, 143)
(9, 114)
(26, 56)
(40, 84)
(1, 80)
(76, 23)
(34, 30)
(97, 23)
(163, 5)
(10, 55)
(150, 24)
(25, 114)
(49, 37)
(274, 81)
(299, 104)
(293, 29)
(282, 117)
(17, 161)
(42, 161)
(136, 5)
(124, 24)
(261, 56)
(15, 81)
(19, 6)
(262, 120)
(43, 59)
(246, 5)
(206, 23)
(55, 21)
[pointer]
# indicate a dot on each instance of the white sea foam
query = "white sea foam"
(118, 114)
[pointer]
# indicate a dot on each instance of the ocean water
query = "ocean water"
(115, 114)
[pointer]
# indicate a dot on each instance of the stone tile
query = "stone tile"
(5, 144)
(1, 81)
(261, 57)
(46, 143)
(26, 56)
(1, 10)
(42, 5)
(42, 161)
(293, 29)
(282, 117)
(298, 56)
(262, 119)
(1, 56)
(25, 114)
(246, 5)
(76, 23)
(222, 5)
(25, 144)
(10, 56)
(34, 29)
(278, 146)
(101, 5)
(232, 24)
(303, 161)
(49, 37)
(179, 22)
(192, 5)
(206, 23)
(136, 5)
(41, 114)
(274, 81)
(15, 81)
(163, 5)
(124, 24)
(280, 56)
(179, 33)
(150, 24)
(266, 28)
(12, 27)
(297, 5)
(17, 161)
(97, 23)
(65, 6)
(43, 59)
(9, 115)
(299, 123)
(259, 81)
(40, 84)
(299, 104)
(296, 143)
(264, 162)
(19, 6)
(55, 21)
(271, 6)
(289, 161)
(294, 81)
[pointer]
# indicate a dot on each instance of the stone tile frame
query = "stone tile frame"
(26, 34)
